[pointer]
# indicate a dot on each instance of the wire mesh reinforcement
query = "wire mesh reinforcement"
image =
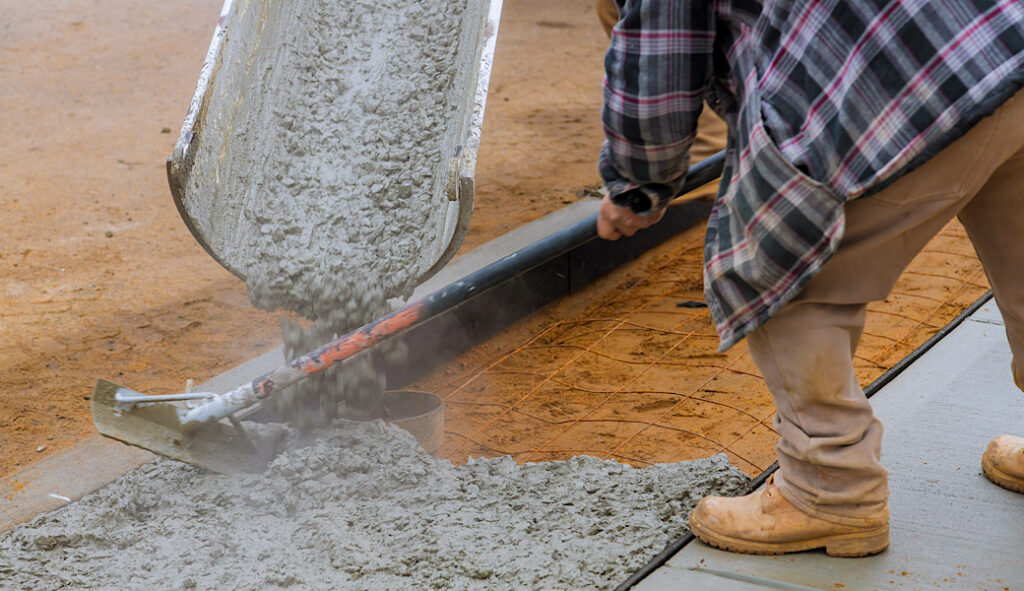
(637, 376)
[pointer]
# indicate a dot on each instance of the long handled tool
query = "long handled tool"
(189, 426)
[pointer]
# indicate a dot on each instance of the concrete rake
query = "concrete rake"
(191, 426)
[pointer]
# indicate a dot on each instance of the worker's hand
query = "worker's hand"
(615, 221)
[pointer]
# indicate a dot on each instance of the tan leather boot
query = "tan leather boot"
(765, 522)
(1003, 462)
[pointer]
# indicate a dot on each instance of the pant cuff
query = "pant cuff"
(867, 516)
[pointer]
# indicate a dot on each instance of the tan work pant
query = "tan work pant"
(712, 132)
(831, 442)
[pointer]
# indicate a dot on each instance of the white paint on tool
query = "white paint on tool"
(221, 405)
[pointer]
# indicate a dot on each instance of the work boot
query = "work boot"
(764, 522)
(1003, 462)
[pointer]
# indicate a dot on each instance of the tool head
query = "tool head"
(218, 446)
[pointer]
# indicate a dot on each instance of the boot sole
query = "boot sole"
(852, 545)
(1001, 478)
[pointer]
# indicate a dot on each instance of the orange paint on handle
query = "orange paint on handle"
(365, 338)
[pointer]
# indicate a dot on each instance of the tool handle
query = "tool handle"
(413, 314)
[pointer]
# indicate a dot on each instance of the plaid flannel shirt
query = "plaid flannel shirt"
(826, 100)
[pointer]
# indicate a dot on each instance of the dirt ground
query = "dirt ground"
(626, 370)
(99, 276)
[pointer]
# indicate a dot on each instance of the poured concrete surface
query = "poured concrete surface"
(362, 507)
(951, 528)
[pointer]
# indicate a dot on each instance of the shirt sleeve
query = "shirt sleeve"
(656, 71)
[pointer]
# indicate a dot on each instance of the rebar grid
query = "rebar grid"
(637, 376)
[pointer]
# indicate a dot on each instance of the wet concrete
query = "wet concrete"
(362, 507)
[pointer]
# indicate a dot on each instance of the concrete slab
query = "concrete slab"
(951, 528)
(988, 313)
(697, 578)
(63, 477)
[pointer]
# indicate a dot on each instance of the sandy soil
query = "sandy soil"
(98, 275)
(623, 371)
(542, 129)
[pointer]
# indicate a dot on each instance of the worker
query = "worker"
(711, 129)
(857, 130)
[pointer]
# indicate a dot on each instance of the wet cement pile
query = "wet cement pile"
(364, 508)
(345, 196)
(358, 112)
